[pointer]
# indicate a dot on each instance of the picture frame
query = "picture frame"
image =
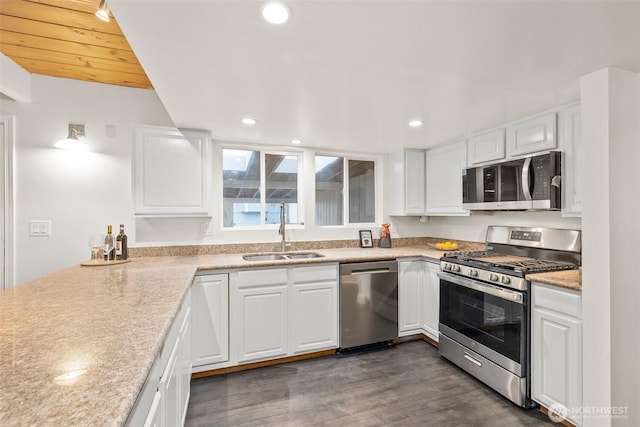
(366, 239)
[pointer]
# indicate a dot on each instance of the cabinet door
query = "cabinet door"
(486, 147)
(259, 304)
(171, 172)
(210, 330)
(414, 182)
(532, 135)
(431, 316)
(444, 179)
(185, 366)
(405, 183)
(411, 276)
(154, 415)
(556, 360)
(314, 317)
(314, 308)
(170, 389)
(569, 143)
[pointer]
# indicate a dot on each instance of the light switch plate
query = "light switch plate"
(40, 228)
(206, 228)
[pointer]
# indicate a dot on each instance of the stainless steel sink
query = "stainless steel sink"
(281, 256)
(303, 255)
(263, 257)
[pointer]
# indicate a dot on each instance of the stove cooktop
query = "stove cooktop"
(505, 263)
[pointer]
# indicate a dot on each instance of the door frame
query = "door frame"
(9, 249)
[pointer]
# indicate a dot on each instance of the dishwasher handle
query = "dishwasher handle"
(370, 271)
(372, 267)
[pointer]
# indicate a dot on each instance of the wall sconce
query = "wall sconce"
(103, 11)
(72, 141)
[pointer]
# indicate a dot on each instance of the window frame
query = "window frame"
(346, 157)
(264, 150)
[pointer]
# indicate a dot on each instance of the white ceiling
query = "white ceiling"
(349, 75)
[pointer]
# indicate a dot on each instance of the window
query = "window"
(254, 185)
(362, 191)
(330, 190)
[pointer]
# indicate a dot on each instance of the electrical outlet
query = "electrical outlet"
(206, 228)
(40, 228)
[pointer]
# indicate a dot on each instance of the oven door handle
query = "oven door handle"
(496, 291)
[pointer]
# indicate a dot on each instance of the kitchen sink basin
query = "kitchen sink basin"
(281, 256)
(263, 257)
(303, 255)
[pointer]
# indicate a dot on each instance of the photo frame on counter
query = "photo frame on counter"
(366, 239)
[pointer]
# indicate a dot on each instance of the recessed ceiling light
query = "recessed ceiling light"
(296, 141)
(276, 13)
(249, 121)
(415, 123)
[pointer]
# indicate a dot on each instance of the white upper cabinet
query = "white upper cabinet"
(444, 178)
(569, 143)
(486, 147)
(532, 135)
(406, 183)
(171, 172)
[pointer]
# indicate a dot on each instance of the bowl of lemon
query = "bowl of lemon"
(445, 246)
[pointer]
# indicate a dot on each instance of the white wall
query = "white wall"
(610, 291)
(79, 192)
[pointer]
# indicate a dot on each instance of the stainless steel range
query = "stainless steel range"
(485, 312)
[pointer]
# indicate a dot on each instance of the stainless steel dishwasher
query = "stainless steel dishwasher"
(368, 303)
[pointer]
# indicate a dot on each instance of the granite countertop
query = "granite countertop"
(109, 322)
(570, 279)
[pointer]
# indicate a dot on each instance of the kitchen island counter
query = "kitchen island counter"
(76, 345)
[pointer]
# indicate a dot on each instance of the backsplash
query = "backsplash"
(189, 250)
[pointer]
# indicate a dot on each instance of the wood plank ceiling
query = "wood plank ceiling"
(63, 38)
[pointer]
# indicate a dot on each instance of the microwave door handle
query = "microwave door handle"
(526, 183)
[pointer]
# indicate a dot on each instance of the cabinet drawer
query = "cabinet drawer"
(564, 301)
(248, 278)
(319, 273)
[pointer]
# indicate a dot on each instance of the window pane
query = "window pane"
(241, 188)
(329, 190)
(361, 191)
(281, 174)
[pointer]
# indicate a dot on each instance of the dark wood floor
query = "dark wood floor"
(406, 385)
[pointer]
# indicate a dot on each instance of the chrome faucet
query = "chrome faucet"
(282, 231)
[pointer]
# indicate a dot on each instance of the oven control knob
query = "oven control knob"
(447, 267)
(493, 277)
(505, 280)
(456, 268)
(473, 273)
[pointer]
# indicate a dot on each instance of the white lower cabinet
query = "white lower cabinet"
(431, 317)
(259, 314)
(280, 312)
(210, 335)
(153, 416)
(314, 308)
(164, 398)
(556, 350)
(419, 297)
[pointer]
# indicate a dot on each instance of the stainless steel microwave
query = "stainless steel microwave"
(531, 182)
